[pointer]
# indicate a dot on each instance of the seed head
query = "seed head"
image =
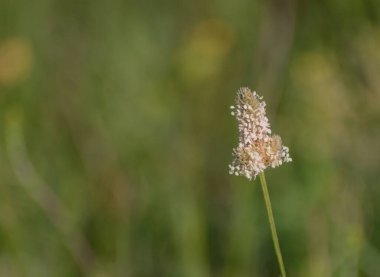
(257, 148)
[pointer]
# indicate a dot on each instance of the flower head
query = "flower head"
(257, 148)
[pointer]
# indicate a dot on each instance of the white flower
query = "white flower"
(257, 149)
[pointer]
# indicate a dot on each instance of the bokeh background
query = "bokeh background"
(116, 135)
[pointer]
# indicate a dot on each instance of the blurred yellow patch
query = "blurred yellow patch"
(16, 58)
(325, 96)
(366, 52)
(317, 74)
(204, 50)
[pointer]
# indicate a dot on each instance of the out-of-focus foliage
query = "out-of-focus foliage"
(116, 135)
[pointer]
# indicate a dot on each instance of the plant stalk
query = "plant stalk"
(272, 224)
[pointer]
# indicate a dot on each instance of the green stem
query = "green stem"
(271, 223)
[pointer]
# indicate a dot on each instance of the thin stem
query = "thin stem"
(272, 224)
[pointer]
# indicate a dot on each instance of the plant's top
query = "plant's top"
(257, 148)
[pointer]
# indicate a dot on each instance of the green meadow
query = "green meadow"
(116, 136)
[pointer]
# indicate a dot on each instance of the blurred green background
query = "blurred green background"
(116, 135)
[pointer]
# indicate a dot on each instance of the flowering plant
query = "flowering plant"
(257, 150)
